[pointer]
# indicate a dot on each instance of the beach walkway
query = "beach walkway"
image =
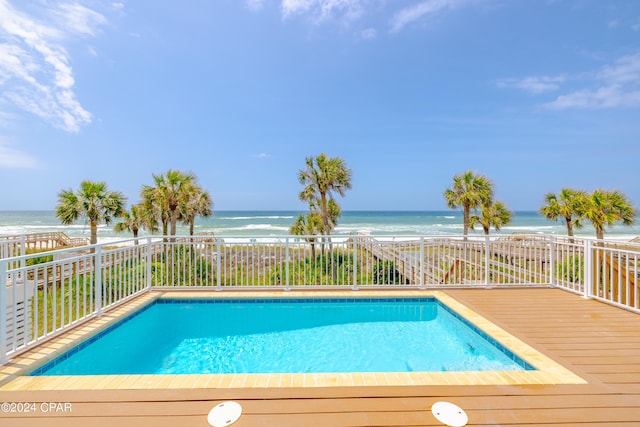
(21, 244)
(597, 342)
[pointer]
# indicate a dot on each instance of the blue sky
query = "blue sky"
(534, 94)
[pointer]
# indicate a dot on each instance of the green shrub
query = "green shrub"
(571, 269)
(385, 273)
(39, 260)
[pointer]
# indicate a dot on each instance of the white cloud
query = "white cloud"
(625, 70)
(254, 5)
(322, 10)
(368, 34)
(603, 97)
(38, 77)
(533, 84)
(616, 85)
(350, 9)
(14, 159)
(78, 19)
(261, 155)
(293, 7)
(413, 13)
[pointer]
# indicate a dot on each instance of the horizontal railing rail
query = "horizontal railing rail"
(17, 245)
(46, 293)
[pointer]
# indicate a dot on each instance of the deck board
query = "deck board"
(597, 342)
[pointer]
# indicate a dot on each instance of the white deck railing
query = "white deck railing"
(46, 293)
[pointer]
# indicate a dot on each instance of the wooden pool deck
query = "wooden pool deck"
(597, 342)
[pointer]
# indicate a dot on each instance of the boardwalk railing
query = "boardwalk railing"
(16, 245)
(44, 294)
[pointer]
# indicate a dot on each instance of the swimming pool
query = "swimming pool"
(292, 335)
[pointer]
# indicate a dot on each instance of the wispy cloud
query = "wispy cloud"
(347, 12)
(616, 85)
(254, 5)
(625, 70)
(614, 23)
(413, 13)
(293, 7)
(14, 159)
(533, 84)
(76, 18)
(322, 10)
(261, 155)
(603, 97)
(368, 34)
(38, 77)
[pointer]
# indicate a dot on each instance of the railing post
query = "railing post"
(3, 311)
(487, 260)
(286, 264)
(98, 278)
(149, 264)
(552, 261)
(218, 264)
(23, 250)
(421, 261)
(588, 270)
(355, 263)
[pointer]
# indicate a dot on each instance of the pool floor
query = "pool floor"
(12, 375)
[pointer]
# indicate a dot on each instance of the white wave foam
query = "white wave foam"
(254, 227)
(529, 228)
(11, 230)
(401, 228)
(244, 218)
(62, 227)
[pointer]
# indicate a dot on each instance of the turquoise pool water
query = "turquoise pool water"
(173, 336)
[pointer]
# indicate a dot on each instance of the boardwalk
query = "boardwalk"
(599, 343)
(20, 244)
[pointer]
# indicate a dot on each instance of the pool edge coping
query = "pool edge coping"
(12, 375)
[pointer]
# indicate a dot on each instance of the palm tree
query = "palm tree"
(170, 191)
(93, 202)
(135, 220)
(469, 191)
(606, 208)
(152, 206)
(568, 204)
(198, 203)
(493, 214)
(322, 177)
(308, 225)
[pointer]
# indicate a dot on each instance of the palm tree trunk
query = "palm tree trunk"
(570, 229)
(165, 227)
(94, 233)
(174, 220)
(324, 213)
(465, 221)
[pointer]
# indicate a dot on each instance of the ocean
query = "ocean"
(265, 224)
